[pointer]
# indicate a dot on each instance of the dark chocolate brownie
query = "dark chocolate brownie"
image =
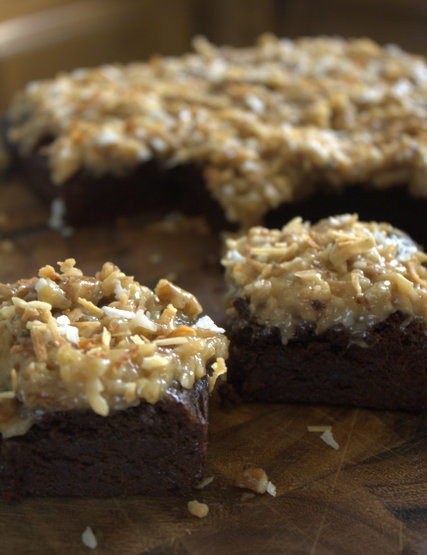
(148, 449)
(333, 312)
(104, 384)
(390, 373)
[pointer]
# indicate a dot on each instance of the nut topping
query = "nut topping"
(265, 124)
(108, 350)
(338, 272)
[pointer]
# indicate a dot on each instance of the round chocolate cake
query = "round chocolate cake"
(313, 126)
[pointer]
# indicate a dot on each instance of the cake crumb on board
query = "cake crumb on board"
(256, 480)
(197, 509)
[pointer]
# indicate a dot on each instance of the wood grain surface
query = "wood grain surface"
(367, 497)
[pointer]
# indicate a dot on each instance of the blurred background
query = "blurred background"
(41, 37)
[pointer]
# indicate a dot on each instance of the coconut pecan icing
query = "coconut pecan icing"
(340, 272)
(266, 124)
(69, 341)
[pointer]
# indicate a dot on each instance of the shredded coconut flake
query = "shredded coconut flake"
(89, 538)
(66, 330)
(328, 438)
(57, 214)
(271, 489)
(113, 312)
(141, 320)
(118, 289)
(56, 219)
(106, 137)
(255, 104)
(206, 323)
(63, 320)
(41, 284)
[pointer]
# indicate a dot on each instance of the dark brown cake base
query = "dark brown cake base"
(151, 188)
(149, 449)
(390, 373)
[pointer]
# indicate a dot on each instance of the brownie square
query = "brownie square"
(104, 385)
(339, 331)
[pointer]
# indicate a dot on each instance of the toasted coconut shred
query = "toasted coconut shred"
(69, 341)
(266, 124)
(338, 272)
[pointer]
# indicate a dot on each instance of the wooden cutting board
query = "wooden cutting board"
(367, 497)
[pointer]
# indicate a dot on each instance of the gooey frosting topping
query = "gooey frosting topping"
(340, 272)
(265, 124)
(69, 341)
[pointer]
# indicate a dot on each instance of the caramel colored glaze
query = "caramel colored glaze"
(340, 272)
(69, 341)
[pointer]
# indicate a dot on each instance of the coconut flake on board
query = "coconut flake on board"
(56, 219)
(89, 538)
(328, 438)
